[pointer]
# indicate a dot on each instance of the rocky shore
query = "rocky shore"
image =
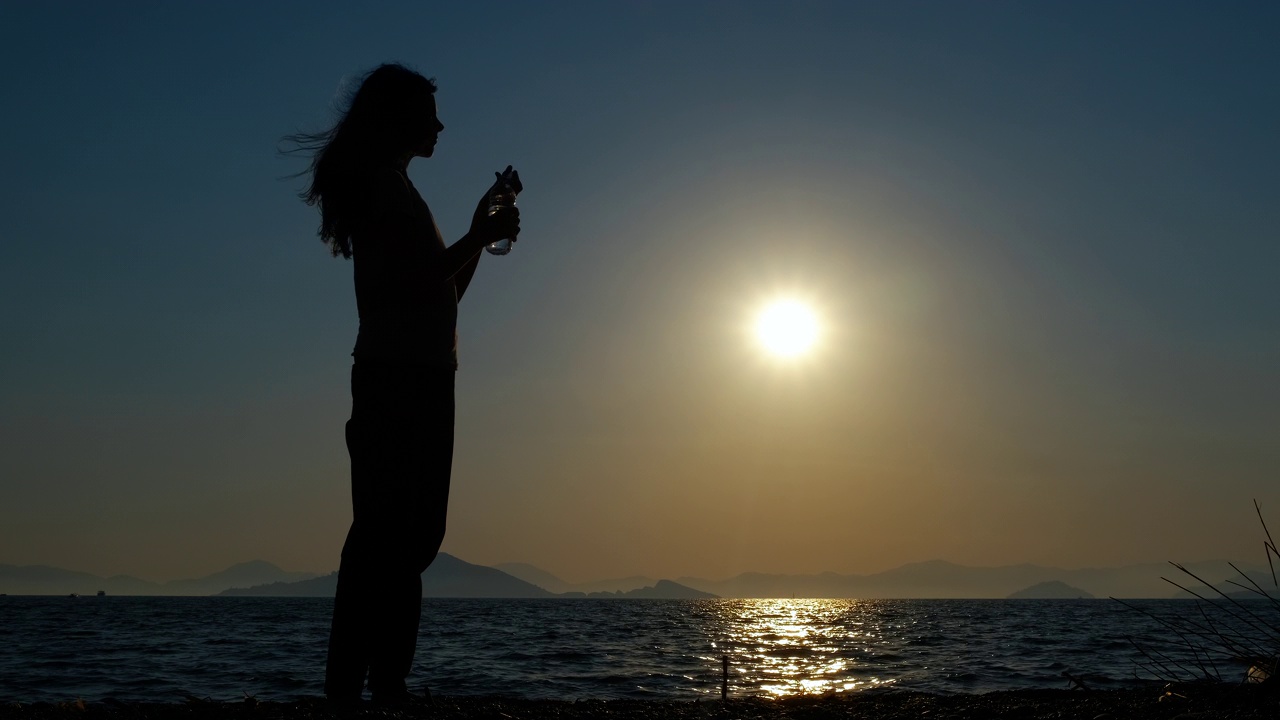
(1196, 703)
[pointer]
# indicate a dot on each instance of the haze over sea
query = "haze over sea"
(163, 649)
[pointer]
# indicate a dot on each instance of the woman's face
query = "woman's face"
(431, 128)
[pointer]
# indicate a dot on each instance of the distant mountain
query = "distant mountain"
(246, 574)
(547, 581)
(661, 590)
(322, 586)
(1051, 590)
(1147, 580)
(941, 579)
(669, 590)
(451, 577)
(534, 575)
(933, 579)
(1235, 586)
(45, 580)
(447, 577)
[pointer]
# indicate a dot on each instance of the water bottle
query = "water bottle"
(502, 196)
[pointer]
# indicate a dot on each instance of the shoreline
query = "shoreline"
(1199, 702)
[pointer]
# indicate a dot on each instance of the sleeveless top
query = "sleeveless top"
(408, 310)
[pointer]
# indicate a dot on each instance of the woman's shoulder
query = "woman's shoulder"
(384, 190)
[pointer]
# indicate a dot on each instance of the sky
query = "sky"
(1040, 240)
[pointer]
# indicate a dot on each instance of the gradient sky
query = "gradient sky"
(1042, 238)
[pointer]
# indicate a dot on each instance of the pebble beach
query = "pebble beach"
(1228, 702)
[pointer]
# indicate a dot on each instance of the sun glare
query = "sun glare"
(787, 328)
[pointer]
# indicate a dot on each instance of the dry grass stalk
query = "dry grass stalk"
(1235, 632)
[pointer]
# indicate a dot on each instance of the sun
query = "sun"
(787, 328)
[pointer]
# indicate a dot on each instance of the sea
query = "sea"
(166, 649)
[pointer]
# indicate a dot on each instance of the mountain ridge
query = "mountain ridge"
(927, 579)
(944, 579)
(49, 580)
(548, 581)
(452, 577)
(1051, 590)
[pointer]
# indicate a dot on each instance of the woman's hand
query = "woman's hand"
(504, 222)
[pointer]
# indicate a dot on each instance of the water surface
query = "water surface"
(165, 648)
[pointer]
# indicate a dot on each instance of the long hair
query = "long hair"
(381, 122)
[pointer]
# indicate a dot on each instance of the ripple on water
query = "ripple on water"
(164, 648)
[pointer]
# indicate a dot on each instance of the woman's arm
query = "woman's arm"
(393, 232)
(463, 278)
(461, 258)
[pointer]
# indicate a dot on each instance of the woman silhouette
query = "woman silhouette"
(400, 435)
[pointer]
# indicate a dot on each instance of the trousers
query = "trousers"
(400, 439)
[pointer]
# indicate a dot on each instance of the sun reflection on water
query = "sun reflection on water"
(793, 647)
